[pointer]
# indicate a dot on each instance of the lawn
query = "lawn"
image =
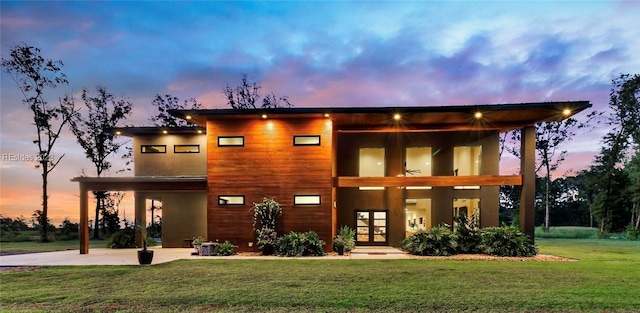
(7, 248)
(606, 278)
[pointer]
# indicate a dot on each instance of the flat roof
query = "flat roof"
(459, 117)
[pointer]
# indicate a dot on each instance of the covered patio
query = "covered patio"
(139, 185)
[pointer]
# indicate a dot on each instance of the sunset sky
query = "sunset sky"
(319, 54)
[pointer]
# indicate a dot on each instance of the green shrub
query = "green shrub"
(506, 241)
(467, 234)
(266, 241)
(299, 244)
(567, 232)
(226, 249)
(124, 238)
(346, 237)
(437, 241)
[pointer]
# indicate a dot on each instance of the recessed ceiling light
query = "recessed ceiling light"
(566, 112)
(478, 115)
(165, 132)
(397, 116)
(264, 116)
(188, 117)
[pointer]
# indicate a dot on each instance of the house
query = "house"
(386, 172)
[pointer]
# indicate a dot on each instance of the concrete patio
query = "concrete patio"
(103, 256)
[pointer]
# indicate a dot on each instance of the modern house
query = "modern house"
(386, 172)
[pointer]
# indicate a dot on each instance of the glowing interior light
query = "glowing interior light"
(478, 115)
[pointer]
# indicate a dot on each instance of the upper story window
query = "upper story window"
(153, 149)
(230, 141)
(186, 149)
(306, 140)
(418, 163)
(466, 160)
(372, 165)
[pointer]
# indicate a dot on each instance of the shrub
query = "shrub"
(345, 237)
(467, 234)
(299, 244)
(266, 214)
(506, 241)
(632, 232)
(226, 249)
(267, 239)
(437, 241)
(124, 238)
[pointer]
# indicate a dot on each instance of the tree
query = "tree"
(169, 102)
(624, 125)
(247, 96)
(93, 133)
(34, 74)
(633, 189)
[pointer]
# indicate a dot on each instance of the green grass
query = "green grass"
(606, 278)
(568, 232)
(33, 246)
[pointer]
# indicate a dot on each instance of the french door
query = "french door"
(371, 228)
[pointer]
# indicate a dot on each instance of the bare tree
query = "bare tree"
(93, 132)
(247, 96)
(169, 102)
(34, 74)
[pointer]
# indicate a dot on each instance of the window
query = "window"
(186, 149)
(466, 162)
(418, 163)
(470, 208)
(230, 200)
(306, 140)
(417, 214)
(230, 141)
(306, 200)
(371, 165)
(153, 149)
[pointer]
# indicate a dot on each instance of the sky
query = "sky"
(317, 53)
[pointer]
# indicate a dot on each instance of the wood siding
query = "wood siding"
(268, 165)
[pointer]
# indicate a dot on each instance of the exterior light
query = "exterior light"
(397, 116)
(566, 112)
(165, 132)
(199, 131)
(478, 115)
(326, 115)
(264, 116)
(188, 117)
(118, 133)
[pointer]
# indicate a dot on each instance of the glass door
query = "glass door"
(371, 227)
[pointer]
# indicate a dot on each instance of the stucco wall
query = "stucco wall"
(184, 216)
(170, 163)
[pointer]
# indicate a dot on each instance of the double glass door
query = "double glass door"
(371, 228)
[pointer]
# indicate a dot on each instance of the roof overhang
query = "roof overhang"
(157, 130)
(418, 118)
(143, 183)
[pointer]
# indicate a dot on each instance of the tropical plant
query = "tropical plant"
(467, 234)
(300, 244)
(197, 240)
(266, 213)
(506, 241)
(346, 238)
(226, 248)
(437, 241)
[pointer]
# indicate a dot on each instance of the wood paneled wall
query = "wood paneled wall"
(268, 165)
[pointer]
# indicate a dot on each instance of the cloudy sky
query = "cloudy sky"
(326, 53)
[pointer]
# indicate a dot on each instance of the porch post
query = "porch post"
(528, 188)
(84, 220)
(140, 215)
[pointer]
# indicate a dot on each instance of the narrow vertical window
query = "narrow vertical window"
(466, 162)
(418, 163)
(371, 165)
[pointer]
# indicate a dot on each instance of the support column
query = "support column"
(140, 216)
(84, 220)
(528, 188)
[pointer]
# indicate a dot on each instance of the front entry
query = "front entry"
(371, 228)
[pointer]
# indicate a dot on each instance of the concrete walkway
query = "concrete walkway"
(103, 256)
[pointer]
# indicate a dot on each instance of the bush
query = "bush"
(437, 241)
(506, 241)
(632, 232)
(124, 238)
(567, 232)
(345, 237)
(267, 239)
(299, 244)
(467, 234)
(226, 249)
